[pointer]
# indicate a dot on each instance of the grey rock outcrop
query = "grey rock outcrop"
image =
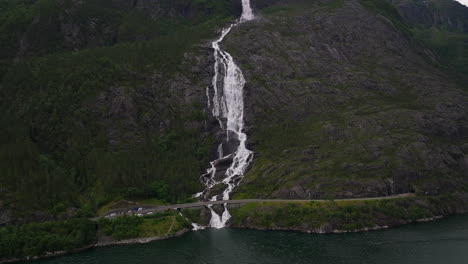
(344, 78)
(446, 14)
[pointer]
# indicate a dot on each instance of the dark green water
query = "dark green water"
(444, 241)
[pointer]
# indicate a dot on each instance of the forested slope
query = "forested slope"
(106, 100)
(103, 100)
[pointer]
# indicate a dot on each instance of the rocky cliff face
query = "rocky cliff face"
(341, 103)
(446, 14)
(442, 27)
(51, 26)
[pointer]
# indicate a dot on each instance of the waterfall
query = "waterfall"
(247, 13)
(195, 226)
(227, 106)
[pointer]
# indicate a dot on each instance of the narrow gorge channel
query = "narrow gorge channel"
(225, 100)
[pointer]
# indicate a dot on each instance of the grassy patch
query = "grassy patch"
(299, 6)
(127, 227)
(450, 47)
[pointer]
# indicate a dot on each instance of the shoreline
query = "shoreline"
(146, 240)
(133, 241)
(47, 255)
(250, 216)
(321, 231)
(136, 241)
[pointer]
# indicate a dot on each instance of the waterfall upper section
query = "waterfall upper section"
(226, 101)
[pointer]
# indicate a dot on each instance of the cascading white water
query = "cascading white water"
(227, 106)
(247, 13)
(195, 226)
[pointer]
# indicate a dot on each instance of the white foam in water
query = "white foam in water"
(228, 104)
(195, 226)
(216, 220)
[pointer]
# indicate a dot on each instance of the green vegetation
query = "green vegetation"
(55, 143)
(122, 227)
(40, 23)
(299, 6)
(195, 216)
(343, 216)
(331, 145)
(62, 145)
(320, 149)
(39, 238)
(159, 224)
(386, 9)
(452, 47)
(315, 151)
(35, 239)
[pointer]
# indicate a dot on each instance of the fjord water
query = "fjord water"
(441, 242)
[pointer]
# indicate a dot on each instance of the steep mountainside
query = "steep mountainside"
(342, 102)
(449, 15)
(441, 25)
(40, 27)
(103, 100)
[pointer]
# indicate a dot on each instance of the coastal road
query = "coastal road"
(148, 209)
